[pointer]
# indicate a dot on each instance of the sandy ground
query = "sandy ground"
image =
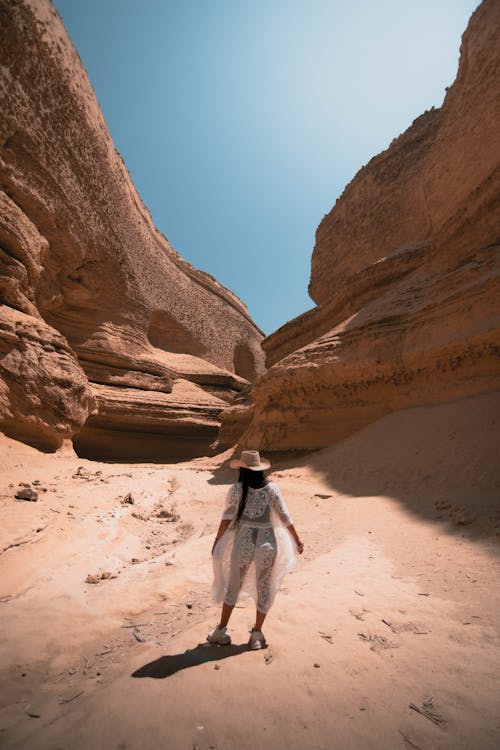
(385, 636)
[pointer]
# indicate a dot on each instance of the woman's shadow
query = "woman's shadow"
(193, 657)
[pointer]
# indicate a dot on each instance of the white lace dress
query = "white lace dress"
(252, 557)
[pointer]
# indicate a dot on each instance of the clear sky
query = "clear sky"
(241, 121)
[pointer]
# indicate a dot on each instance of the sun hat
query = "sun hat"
(250, 460)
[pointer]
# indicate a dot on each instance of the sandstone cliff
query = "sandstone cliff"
(105, 332)
(405, 274)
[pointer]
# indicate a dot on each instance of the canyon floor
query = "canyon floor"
(386, 635)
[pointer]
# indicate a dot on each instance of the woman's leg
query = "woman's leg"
(241, 557)
(259, 619)
(265, 556)
(226, 614)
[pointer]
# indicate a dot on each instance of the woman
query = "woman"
(255, 546)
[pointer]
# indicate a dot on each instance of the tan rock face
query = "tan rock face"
(433, 182)
(405, 273)
(78, 251)
(44, 393)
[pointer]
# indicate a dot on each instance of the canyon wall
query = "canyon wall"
(106, 334)
(405, 276)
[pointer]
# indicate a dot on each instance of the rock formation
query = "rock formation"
(105, 332)
(404, 275)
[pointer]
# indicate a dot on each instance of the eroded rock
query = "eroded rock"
(27, 493)
(115, 304)
(405, 274)
(44, 394)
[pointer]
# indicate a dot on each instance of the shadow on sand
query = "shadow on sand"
(439, 461)
(168, 665)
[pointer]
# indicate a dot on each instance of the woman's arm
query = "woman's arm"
(279, 506)
(220, 531)
(293, 532)
(232, 501)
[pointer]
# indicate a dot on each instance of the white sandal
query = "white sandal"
(257, 639)
(219, 635)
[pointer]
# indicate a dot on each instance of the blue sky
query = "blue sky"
(241, 122)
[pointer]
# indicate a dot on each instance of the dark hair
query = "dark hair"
(249, 478)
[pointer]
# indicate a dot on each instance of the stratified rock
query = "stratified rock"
(141, 425)
(44, 393)
(81, 256)
(437, 182)
(405, 274)
(236, 419)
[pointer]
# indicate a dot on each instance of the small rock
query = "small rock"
(189, 605)
(217, 666)
(135, 560)
(140, 516)
(466, 520)
(97, 577)
(128, 499)
(27, 493)
(316, 665)
(33, 712)
(168, 515)
(138, 636)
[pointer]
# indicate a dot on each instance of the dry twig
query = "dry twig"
(428, 713)
(72, 698)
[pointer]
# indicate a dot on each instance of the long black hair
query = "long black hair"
(249, 478)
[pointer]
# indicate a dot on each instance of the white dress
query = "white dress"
(253, 555)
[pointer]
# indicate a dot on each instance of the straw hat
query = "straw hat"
(250, 460)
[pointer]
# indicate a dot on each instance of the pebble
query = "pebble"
(27, 493)
(33, 712)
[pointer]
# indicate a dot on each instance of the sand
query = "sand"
(385, 636)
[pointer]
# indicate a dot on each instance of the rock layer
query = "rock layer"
(80, 255)
(405, 274)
